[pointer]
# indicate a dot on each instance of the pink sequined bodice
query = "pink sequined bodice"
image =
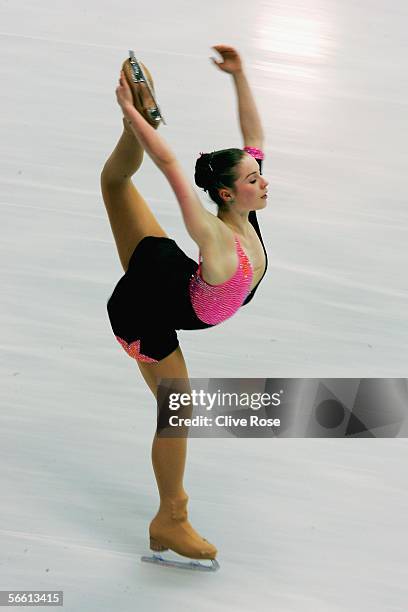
(215, 303)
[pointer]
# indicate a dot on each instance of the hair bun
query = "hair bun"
(203, 174)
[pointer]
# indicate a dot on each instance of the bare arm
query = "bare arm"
(199, 222)
(249, 119)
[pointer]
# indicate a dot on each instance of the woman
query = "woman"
(164, 290)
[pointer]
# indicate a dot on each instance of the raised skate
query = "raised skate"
(138, 73)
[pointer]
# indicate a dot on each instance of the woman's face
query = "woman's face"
(250, 186)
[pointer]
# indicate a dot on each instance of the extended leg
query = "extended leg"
(130, 217)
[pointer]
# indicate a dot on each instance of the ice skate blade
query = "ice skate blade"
(139, 76)
(157, 559)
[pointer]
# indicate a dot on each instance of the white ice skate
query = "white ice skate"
(139, 76)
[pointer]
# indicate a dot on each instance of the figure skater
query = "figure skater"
(164, 290)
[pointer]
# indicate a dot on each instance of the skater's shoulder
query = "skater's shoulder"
(219, 233)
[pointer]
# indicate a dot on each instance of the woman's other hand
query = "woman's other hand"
(231, 61)
(124, 94)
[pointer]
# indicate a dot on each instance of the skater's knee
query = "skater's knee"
(112, 181)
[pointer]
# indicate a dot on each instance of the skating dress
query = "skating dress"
(162, 291)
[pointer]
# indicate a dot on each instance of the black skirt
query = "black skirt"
(151, 300)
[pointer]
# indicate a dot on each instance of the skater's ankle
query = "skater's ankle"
(127, 129)
(174, 504)
(176, 497)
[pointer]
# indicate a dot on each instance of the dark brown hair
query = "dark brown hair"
(216, 170)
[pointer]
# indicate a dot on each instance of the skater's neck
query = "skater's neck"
(237, 221)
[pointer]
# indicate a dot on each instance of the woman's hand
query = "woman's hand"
(124, 94)
(231, 61)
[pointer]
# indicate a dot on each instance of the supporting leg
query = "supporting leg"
(170, 527)
(168, 454)
(169, 460)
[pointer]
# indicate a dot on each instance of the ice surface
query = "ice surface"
(300, 525)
